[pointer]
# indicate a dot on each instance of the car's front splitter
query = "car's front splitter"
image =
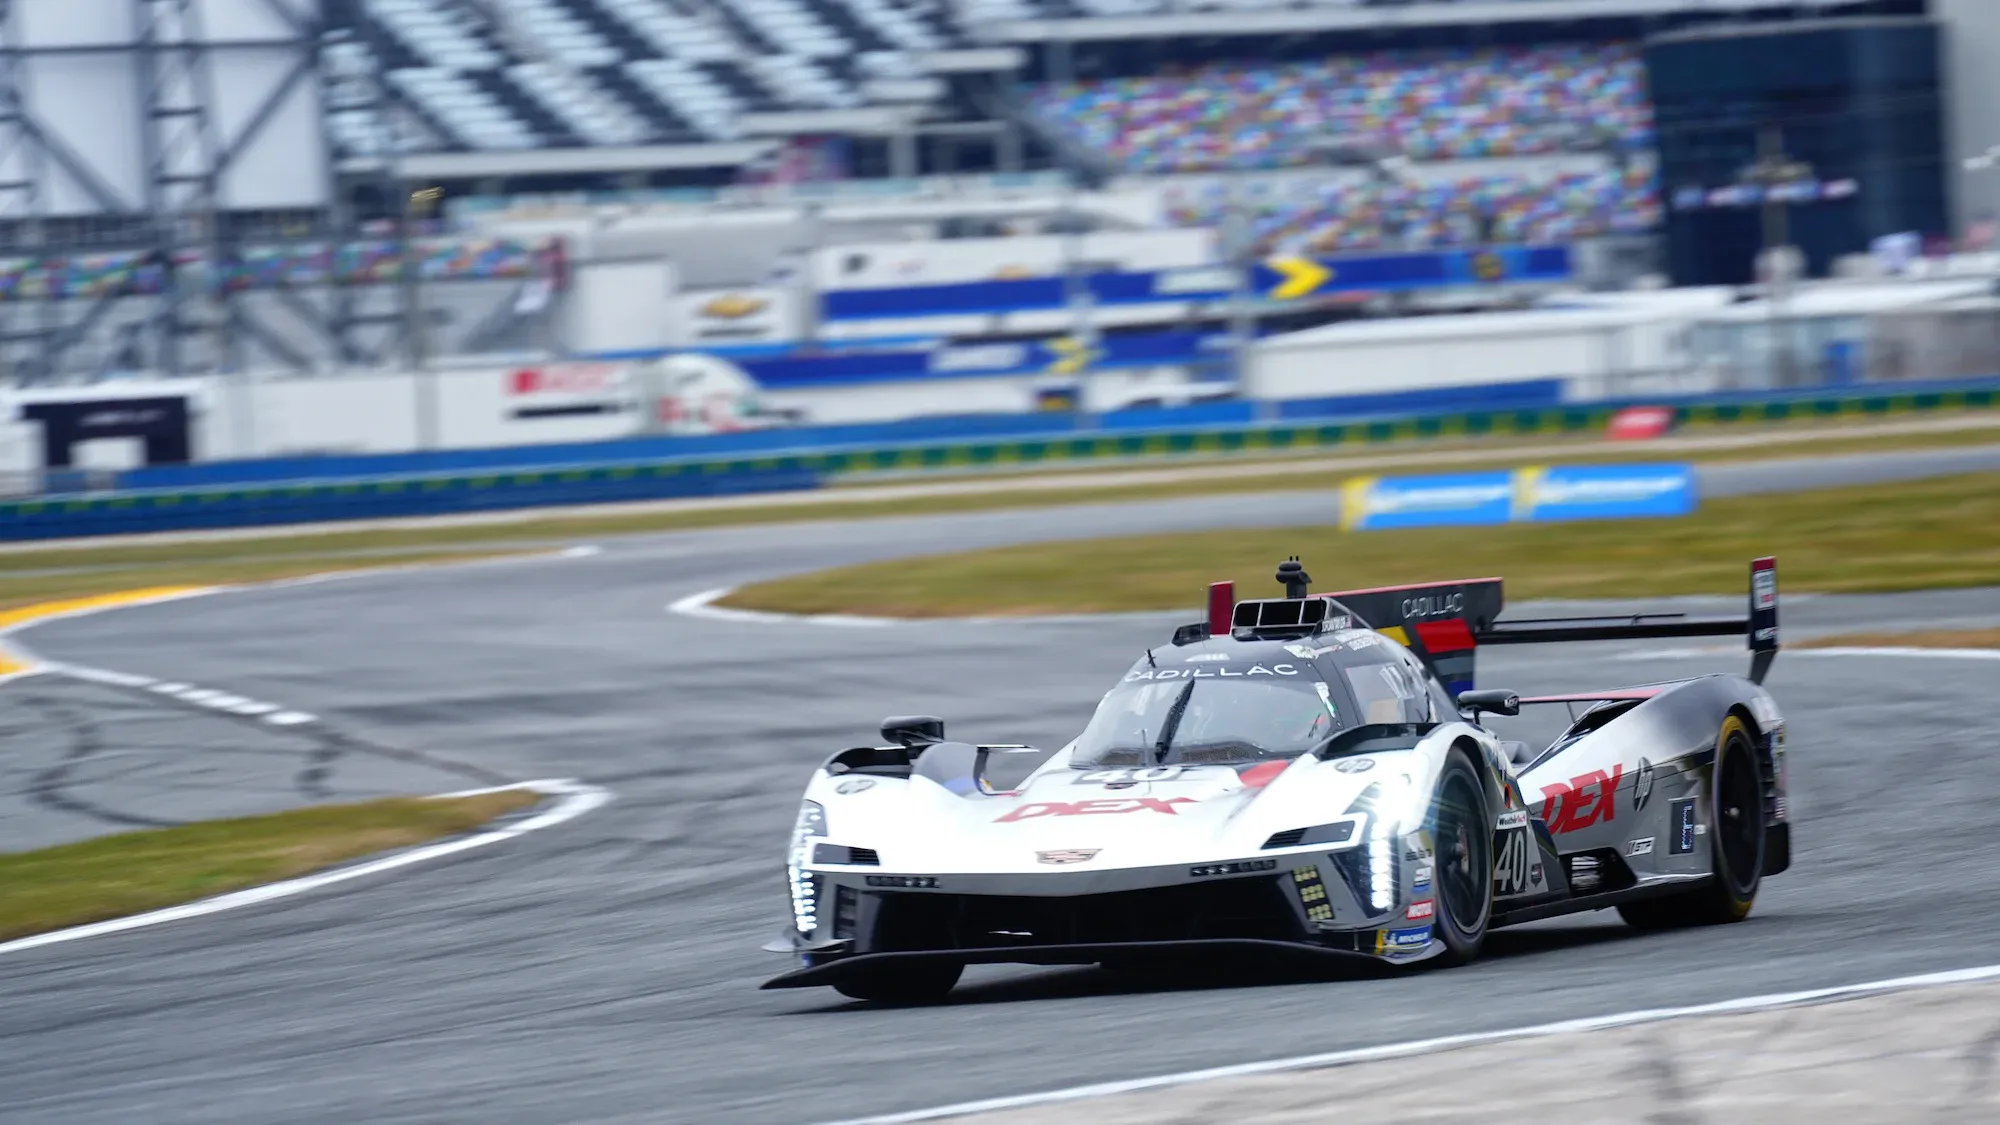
(833, 970)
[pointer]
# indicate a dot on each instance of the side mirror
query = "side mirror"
(1497, 700)
(912, 731)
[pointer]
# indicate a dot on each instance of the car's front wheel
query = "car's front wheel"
(920, 982)
(1461, 832)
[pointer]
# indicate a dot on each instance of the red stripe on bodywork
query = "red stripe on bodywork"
(1449, 634)
(1261, 774)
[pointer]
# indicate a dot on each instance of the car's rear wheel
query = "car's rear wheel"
(921, 982)
(1735, 841)
(1461, 831)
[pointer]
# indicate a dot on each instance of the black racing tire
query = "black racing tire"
(1460, 825)
(921, 982)
(1735, 842)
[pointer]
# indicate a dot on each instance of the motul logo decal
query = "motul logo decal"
(1094, 808)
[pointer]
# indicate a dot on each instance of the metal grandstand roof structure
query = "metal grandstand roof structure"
(173, 129)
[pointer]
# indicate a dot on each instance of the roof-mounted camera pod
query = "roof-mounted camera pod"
(1293, 577)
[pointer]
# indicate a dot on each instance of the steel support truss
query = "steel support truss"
(181, 212)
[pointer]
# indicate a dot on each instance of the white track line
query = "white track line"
(1838, 650)
(574, 799)
(701, 605)
(1895, 650)
(1441, 1043)
(34, 665)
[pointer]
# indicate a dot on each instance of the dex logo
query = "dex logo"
(1094, 808)
(1585, 800)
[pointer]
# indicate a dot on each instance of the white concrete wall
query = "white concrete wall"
(1375, 357)
(1972, 84)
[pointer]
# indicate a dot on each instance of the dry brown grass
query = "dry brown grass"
(1924, 638)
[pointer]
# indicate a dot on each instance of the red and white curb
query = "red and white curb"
(572, 799)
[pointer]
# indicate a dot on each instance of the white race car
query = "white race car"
(1307, 777)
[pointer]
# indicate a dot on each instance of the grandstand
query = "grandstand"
(309, 239)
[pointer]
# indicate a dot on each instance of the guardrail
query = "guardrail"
(440, 493)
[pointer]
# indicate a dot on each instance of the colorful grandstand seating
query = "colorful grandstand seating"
(1457, 105)
(1302, 216)
(133, 273)
(1431, 105)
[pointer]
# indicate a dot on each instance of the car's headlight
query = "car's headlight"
(805, 888)
(1392, 809)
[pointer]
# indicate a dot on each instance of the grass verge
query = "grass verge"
(1925, 638)
(134, 872)
(1902, 536)
(326, 547)
(30, 586)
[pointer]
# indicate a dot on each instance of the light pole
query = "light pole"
(1772, 169)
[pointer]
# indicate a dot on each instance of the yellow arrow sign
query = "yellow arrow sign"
(1072, 355)
(1302, 276)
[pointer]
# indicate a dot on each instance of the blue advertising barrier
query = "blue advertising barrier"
(1279, 279)
(1442, 500)
(1060, 355)
(1533, 495)
(393, 497)
(1587, 492)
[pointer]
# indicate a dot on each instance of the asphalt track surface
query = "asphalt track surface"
(606, 970)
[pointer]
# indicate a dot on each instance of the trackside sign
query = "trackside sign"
(1572, 492)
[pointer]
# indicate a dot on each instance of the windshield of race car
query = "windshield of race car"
(1214, 710)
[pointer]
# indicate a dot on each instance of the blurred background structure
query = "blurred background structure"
(386, 226)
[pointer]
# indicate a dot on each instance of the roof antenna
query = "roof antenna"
(1149, 659)
(1293, 574)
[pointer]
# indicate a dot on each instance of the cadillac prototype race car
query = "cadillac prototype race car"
(1307, 775)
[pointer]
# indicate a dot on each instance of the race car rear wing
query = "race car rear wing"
(1444, 623)
(1759, 626)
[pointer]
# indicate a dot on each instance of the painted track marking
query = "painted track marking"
(702, 605)
(16, 661)
(574, 798)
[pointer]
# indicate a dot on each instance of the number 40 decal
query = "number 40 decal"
(1510, 874)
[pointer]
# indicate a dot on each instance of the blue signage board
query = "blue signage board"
(1539, 495)
(1585, 492)
(1451, 499)
(1274, 279)
(1058, 356)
